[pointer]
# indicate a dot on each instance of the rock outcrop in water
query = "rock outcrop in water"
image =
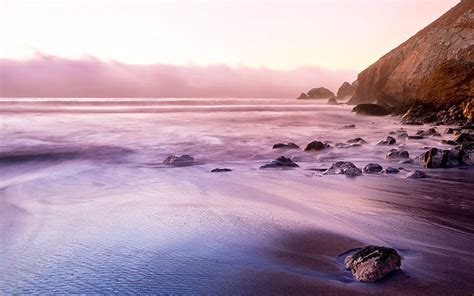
(183, 160)
(286, 146)
(370, 109)
(346, 90)
(372, 263)
(280, 162)
(316, 146)
(343, 168)
(317, 93)
(432, 71)
(373, 168)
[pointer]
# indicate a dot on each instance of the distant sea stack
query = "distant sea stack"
(346, 90)
(317, 93)
(434, 69)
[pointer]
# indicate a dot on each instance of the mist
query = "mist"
(52, 76)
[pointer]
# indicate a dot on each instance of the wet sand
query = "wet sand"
(118, 221)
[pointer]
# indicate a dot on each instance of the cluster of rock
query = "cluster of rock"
(317, 93)
(372, 263)
(458, 114)
(461, 154)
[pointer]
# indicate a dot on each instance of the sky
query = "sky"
(284, 35)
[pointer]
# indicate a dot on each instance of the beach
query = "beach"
(87, 205)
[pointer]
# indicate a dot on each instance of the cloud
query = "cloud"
(50, 76)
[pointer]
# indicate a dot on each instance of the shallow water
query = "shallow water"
(88, 207)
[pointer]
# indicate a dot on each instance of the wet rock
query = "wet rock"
(373, 168)
(349, 126)
(182, 160)
(357, 140)
(428, 133)
(370, 109)
(397, 154)
(343, 168)
(415, 137)
(466, 153)
(316, 146)
(388, 141)
(332, 101)
(401, 133)
(219, 170)
(464, 138)
(280, 162)
(449, 130)
(372, 263)
(438, 158)
(345, 145)
(416, 174)
(391, 170)
(286, 146)
(406, 161)
(448, 142)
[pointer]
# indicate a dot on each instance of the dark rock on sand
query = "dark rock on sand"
(280, 162)
(316, 146)
(343, 168)
(388, 141)
(372, 263)
(391, 170)
(397, 154)
(373, 168)
(370, 109)
(416, 174)
(183, 160)
(357, 140)
(286, 146)
(332, 101)
(219, 170)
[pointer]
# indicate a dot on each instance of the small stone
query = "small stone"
(343, 168)
(397, 154)
(219, 170)
(183, 160)
(286, 146)
(280, 162)
(416, 174)
(349, 126)
(373, 168)
(357, 140)
(372, 263)
(388, 141)
(316, 146)
(391, 170)
(406, 161)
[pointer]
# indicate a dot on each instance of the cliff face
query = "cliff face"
(435, 66)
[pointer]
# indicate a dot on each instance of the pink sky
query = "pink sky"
(279, 35)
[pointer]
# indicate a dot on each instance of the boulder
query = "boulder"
(219, 170)
(286, 146)
(397, 154)
(182, 160)
(373, 168)
(391, 170)
(280, 162)
(388, 141)
(346, 90)
(370, 109)
(316, 146)
(438, 158)
(372, 263)
(416, 174)
(343, 168)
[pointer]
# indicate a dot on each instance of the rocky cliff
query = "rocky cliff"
(435, 67)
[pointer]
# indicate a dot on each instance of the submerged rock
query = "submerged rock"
(373, 168)
(345, 145)
(316, 146)
(370, 109)
(182, 160)
(416, 174)
(280, 162)
(415, 137)
(332, 101)
(391, 170)
(372, 263)
(349, 126)
(343, 168)
(388, 141)
(286, 146)
(357, 140)
(397, 154)
(219, 170)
